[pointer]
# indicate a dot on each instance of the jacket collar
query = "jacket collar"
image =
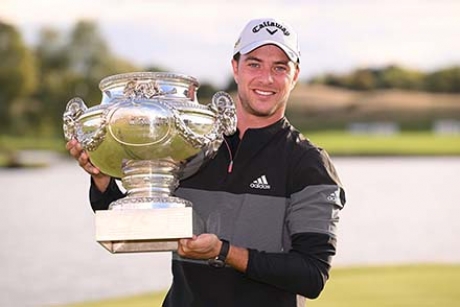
(255, 139)
(267, 131)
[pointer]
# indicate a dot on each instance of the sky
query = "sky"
(197, 37)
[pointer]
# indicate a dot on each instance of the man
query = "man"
(269, 199)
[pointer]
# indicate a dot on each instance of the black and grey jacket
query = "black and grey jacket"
(274, 193)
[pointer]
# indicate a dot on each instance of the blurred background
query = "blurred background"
(379, 89)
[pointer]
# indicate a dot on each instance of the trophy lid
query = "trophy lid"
(146, 85)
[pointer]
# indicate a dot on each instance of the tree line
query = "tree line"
(37, 81)
(446, 80)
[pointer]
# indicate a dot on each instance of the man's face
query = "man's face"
(265, 78)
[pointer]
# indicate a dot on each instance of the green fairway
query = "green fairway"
(145, 300)
(417, 285)
(386, 286)
(401, 144)
(337, 143)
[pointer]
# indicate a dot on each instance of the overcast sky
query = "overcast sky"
(196, 37)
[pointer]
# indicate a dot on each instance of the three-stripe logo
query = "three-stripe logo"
(260, 183)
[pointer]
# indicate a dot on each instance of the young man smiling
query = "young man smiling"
(269, 200)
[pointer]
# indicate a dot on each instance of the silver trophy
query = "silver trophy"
(150, 131)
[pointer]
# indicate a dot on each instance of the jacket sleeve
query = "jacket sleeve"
(311, 218)
(303, 270)
(101, 201)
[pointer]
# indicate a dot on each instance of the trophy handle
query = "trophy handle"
(73, 128)
(222, 104)
(223, 107)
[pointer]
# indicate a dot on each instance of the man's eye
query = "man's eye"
(280, 68)
(253, 64)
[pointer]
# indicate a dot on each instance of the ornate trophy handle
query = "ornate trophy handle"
(222, 105)
(73, 128)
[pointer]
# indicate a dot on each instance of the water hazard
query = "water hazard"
(399, 210)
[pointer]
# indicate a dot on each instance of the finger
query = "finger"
(183, 243)
(70, 144)
(85, 163)
(180, 249)
(90, 168)
(74, 152)
(74, 148)
(79, 146)
(93, 170)
(83, 159)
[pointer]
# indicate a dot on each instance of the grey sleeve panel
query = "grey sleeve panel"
(253, 221)
(315, 209)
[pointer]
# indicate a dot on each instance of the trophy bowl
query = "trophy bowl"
(150, 131)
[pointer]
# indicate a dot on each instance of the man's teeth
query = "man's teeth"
(263, 92)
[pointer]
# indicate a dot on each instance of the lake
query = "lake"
(399, 210)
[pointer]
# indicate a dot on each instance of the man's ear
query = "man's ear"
(235, 70)
(296, 77)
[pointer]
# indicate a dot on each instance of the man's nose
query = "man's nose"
(267, 75)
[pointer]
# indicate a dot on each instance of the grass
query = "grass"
(413, 285)
(384, 286)
(419, 143)
(31, 143)
(10, 146)
(337, 143)
(144, 300)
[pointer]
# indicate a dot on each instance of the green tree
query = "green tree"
(54, 76)
(231, 85)
(70, 66)
(91, 60)
(17, 79)
(444, 80)
(205, 93)
(397, 77)
(362, 80)
(331, 80)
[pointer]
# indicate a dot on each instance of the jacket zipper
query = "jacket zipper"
(230, 165)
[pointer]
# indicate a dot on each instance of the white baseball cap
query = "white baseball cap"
(265, 31)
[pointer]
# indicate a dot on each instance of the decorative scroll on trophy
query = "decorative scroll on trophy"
(150, 131)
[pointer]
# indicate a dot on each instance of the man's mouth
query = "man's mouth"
(264, 93)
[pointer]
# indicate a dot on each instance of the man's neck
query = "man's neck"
(246, 122)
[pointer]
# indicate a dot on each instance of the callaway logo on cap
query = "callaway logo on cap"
(259, 32)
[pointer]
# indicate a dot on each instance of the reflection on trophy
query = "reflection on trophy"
(150, 131)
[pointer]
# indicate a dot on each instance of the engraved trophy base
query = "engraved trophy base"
(149, 218)
(143, 230)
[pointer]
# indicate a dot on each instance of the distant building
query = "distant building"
(377, 128)
(446, 126)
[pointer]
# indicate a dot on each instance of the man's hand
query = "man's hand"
(76, 150)
(207, 246)
(204, 246)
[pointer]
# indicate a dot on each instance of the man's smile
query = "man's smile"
(263, 93)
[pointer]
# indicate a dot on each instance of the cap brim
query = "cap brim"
(289, 52)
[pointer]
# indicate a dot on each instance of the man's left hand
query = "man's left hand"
(203, 246)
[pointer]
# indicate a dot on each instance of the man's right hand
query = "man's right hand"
(76, 150)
